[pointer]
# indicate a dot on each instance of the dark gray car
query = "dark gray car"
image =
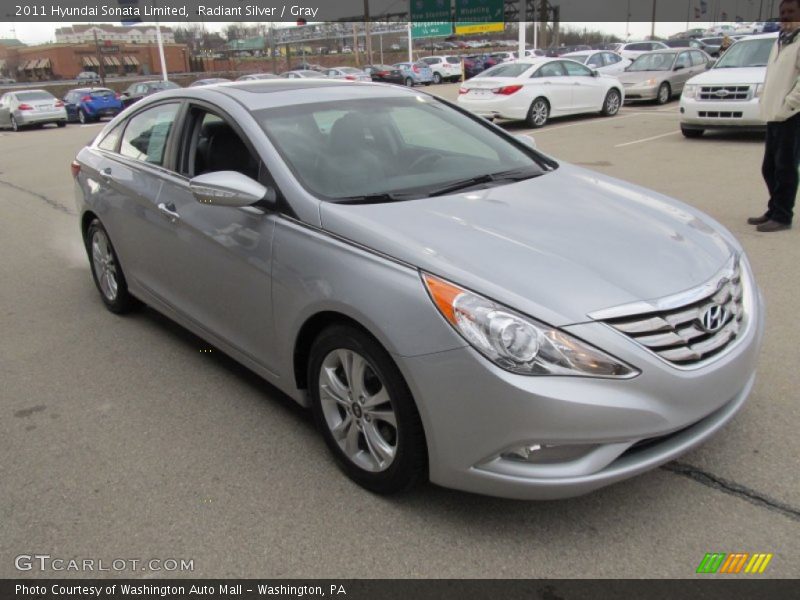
(451, 304)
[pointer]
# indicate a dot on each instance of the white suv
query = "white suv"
(445, 68)
(634, 50)
(726, 96)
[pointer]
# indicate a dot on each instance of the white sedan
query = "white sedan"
(534, 89)
(604, 61)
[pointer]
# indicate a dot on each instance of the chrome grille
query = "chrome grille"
(724, 92)
(679, 335)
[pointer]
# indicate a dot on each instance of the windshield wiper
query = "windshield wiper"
(379, 198)
(513, 175)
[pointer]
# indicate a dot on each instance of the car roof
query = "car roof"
(583, 53)
(762, 36)
(92, 89)
(270, 93)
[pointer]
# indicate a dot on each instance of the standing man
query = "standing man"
(780, 108)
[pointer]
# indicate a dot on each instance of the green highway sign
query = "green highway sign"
(431, 29)
(430, 18)
(479, 11)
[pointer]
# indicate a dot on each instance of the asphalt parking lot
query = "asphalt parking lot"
(125, 438)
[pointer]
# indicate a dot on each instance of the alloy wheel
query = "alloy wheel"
(358, 410)
(663, 93)
(612, 103)
(14, 124)
(539, 113)
(82, 116)
(105, 269)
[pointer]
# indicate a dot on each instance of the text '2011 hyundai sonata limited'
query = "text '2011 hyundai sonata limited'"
(452, 304)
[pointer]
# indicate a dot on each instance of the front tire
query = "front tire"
(365, 411)
(409, 82)
(61, 123)
(538, 113)
(692, 133)
(106, 270)
(612, 103)
(664, 93)
(437, 79)
(14, 125)
(82, 117)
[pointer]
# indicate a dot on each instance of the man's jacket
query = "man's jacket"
(780, 99)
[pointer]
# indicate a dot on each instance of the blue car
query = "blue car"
(90, 104)
(415, 73)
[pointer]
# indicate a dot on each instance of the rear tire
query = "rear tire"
(692, 133)
(437, 79)
(612, 103)
(409, 82)
(14, 125)
(82, 117)
(62, 123)
(106, 270)
(538, 113)
(365, 411)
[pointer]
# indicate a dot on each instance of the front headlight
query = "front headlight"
(689, 91)
(759, 90)
(518, 343)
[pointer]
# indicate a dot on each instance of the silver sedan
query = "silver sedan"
(31, 107)
(451, 304)
(661, 75)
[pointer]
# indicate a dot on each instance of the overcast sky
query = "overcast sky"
(40, 33)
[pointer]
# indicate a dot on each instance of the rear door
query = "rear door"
(682, 75)
(5, 110)
(552, 79)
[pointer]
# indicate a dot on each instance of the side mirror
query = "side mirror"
(527, 140)
(595, 73)
(229, 188)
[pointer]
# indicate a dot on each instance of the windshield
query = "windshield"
(411, 146)
(661, 61)
(505, 70)
(164, 85)
(581, 58)
(749, 53)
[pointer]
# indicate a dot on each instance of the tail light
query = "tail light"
(117, 96)
(382, 73)
(75, 167)
(416, 69)
(59, 103)
(463, 91)
(24, 107)
(350, 77)
(507, 90)
(86, 99)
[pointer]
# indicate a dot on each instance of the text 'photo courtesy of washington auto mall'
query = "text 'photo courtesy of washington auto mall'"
(376, 293)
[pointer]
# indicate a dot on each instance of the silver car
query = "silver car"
(450, 303)
(31, 107)
(661, 75)
(347, 73)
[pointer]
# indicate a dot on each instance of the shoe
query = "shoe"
(758, 220)
(771, 226)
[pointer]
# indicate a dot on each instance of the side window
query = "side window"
(683, 60)
(146, 135)
(611, 58)
(331, 73)
(698, 59)
(595, 61)
(215, 146)
(551, 69)
(111, 140)
(576, 70)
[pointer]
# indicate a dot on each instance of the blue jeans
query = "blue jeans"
(781, 161)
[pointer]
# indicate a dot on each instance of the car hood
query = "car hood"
(556, 247)
(734, 75)
(639, 76)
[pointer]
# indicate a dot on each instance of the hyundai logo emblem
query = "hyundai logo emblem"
(714, 318)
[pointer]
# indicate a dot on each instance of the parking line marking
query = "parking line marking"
(655, 137)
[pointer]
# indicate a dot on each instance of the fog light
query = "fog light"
(541, 454)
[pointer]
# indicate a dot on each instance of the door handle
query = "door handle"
(169, 211)
(107, 173)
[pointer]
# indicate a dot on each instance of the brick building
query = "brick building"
(85, 33)
(65, 61)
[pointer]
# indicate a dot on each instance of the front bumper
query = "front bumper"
(710, 114)
(474, 411)
(638, 92)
